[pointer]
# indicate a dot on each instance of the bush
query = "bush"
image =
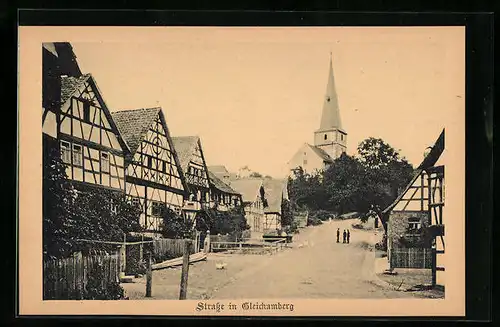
(322, 214)
(95, 291)
(313, 221)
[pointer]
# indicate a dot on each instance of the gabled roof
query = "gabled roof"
(70, 85)
(218, 169)
(134, 124)
(247, 187)
(430, 159)
(274, 189)
(66, 58)
(219, 184)
(321, 153)
(184, 146)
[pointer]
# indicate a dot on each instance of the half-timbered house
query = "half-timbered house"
(194, 167)
(275, 191)
(154, 177)
(222, 196)
(89, 141)
(417, 213)
(57, 59)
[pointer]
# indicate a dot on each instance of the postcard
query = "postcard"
(242, 171)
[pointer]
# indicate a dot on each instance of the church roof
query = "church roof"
(321, 153)
(184, 146)
(330, 117)
(134, 124)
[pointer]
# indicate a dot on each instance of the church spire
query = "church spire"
(330, 118)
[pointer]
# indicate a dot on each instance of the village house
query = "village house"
(193, 165)
(77, 121)
(154, 177)
(330, 139)
(415, 218)
(250, 190)
(275, 191)
(222, 173)
(222, 196)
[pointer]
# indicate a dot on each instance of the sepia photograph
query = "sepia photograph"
(246, 169)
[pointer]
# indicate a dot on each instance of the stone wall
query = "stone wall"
(398, 225)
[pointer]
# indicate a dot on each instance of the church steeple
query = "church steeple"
(331, 137)
(330, 118)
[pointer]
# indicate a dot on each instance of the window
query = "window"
(86, 111)
(150, 162)
(326, 136)
(104, 162)
(164, 166)
(157, 208)
(305, 161)
(414, 223)
(341, 137)
(65, 152)
(77, 155)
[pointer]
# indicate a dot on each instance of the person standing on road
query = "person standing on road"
(338, 235)
(348, 236)
(344, 237)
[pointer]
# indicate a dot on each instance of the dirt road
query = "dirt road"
(315, 267)
(320, 268)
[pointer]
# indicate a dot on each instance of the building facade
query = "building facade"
(194, 167)
(154, 177)
(416, 216)
(222, 196)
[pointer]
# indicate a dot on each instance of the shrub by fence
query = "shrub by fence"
(93, 277)
(411, 258)
(167, 248)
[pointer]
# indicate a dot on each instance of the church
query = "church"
(330, 139)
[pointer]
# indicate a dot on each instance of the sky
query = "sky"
(255, 95)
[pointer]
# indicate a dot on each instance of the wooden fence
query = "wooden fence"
(250, 246)
(166, 248)
(411, 258)
(67, 279)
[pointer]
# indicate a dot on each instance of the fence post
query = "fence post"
(149, 278)
(434, 264)
(185, 270)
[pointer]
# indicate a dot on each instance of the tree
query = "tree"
(174, 225)
(286, 213)
(255, 175)
(386, 174)
(307, 191)
(231, 222)
(74, 213)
